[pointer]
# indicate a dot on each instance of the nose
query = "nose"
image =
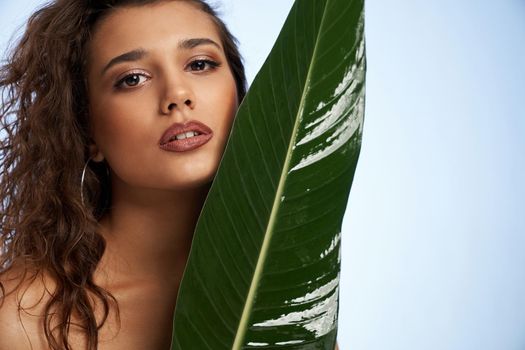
(177, 95)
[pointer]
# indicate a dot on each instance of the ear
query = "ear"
(95, 153)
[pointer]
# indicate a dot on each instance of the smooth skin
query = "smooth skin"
(156, 195)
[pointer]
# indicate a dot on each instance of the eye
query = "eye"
(203, 65)
(131, 80)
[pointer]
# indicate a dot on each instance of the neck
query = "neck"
(148, 234)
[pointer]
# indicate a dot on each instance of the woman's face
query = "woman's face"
(150, 67)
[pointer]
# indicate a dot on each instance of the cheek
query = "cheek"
(119, 117)
(122, 131)
(232, 108)
(226, 98)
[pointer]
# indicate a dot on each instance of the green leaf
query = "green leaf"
(263, 271)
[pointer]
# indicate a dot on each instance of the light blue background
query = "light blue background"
(434, 235)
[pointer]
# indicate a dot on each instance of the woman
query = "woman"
(116, 115)
(107, 84)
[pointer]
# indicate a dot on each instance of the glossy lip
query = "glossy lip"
(185, 144)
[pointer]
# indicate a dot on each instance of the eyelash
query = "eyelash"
(211, 64)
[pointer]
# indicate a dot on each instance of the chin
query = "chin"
(195, 179)
(201, 182)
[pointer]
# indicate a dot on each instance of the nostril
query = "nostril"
(172, 105)
(187, 102)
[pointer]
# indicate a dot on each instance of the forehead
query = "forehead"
(154, 26)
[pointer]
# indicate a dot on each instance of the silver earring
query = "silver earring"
(82, 179)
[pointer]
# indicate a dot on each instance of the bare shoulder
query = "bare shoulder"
(22, 303)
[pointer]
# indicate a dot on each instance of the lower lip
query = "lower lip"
(186, 144)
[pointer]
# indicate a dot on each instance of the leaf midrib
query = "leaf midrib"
(241, 330)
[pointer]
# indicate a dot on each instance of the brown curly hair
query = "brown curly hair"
(44, 145)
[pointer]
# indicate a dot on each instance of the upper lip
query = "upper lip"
(179, 128)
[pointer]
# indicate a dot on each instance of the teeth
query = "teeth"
(187, 135)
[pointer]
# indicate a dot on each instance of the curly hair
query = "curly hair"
(43, 148)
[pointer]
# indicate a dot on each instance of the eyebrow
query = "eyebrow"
(187, 44)
(140, 53)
